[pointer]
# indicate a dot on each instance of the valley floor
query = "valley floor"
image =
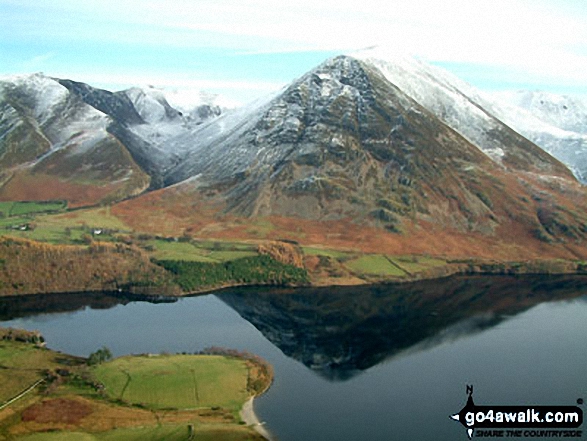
(44, 248)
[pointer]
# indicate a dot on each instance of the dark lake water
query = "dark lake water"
(378, 363)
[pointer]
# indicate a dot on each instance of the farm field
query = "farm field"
(375, 264)
(20, 367)
(180, 381)
(415, 264)
(156, 397)
(14, 209)
(199, 251)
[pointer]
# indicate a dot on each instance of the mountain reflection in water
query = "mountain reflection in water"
(532, 349)
(339, 332)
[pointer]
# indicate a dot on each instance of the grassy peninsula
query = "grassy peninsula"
(46, 396)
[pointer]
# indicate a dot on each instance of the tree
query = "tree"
(100, 356)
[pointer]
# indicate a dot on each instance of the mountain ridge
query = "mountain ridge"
(356, 145)
(342, 148)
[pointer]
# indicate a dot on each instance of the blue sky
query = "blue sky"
(245, 49)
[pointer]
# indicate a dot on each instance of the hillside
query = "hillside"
(344, 157)
(28, 267)
(61, 139)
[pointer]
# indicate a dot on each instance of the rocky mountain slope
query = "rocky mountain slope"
(456, 103)
(344, 143)
(147, 125)
(478, 116)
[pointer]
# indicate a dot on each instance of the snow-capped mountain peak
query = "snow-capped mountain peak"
(151, 105)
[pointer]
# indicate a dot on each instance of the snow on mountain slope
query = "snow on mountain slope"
(197, 103)
(344, 149)
(162, 123)
(169, 132)
(556, 123)
(459, 105)
(51, 111)
(49, 135)
(562, 111)
(195, 107)
(151, 105)
(43, 91)
(204, 148)
(156, 134)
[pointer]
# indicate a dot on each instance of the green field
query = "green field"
(169, 250)
(158, 397)
(62, 228)
(14, 209)
(416, 264)
(180, 382)
(198, 251)
(374, 265)
(93, 218)
(339, 255)
(20, 367)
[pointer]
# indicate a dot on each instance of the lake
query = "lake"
(385, 362)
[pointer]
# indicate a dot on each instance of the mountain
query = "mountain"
(62, 139)
(557, 123)
(198, 105)
(370, 151)
(156, 134)
(54, 146)
(457, 104)
(345, 148)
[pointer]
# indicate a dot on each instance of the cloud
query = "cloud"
(233, 92)
(540, 38)
(526, 35)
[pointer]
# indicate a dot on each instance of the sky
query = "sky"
(246, 49)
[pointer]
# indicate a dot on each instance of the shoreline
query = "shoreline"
(464, 267)
(249, 416)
